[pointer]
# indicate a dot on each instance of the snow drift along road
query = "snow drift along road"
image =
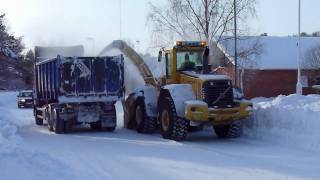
(28, 151)
(292, 119)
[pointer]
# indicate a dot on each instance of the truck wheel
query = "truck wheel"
(144, 124)
(233, 130)
(38, 120)
(57, 123)
(96, 125)
(68, 126)
(172, 127)
(48, 117)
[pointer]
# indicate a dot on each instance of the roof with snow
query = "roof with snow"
(269, 52)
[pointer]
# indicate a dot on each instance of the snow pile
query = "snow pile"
(292, 119)
(13, 155)
(8, 124)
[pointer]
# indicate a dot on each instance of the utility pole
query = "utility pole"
(235, 44)
(299, 86)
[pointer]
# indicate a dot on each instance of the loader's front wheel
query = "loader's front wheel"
(233, 130)
(172, 127)
(144, 124)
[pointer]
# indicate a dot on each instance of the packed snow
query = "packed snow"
(28, 151)
(292, 119)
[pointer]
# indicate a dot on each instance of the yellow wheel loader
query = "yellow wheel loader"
(188, 95)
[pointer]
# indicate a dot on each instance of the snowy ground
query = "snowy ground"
(282, 142)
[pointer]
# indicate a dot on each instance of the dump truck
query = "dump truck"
(188, 95)
(77, 90)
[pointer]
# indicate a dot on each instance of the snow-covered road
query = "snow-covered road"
(34, 153)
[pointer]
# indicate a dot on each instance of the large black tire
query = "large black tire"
(57, 123)
(68, 126)
(172, 127)
(233, 130)
(48, 118)
(38, 120)
(144, 124)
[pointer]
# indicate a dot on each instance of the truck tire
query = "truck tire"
(144, 124)
(172, 127)
(48, 117)
(68, 126)
(233, 130)
(57, 123)
(38, 120)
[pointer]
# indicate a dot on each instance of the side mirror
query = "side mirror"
(160, 56)
(206, 52)
(206, 68)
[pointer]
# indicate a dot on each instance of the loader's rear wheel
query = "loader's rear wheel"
(172, 127)
(144, 124)
(233, 130)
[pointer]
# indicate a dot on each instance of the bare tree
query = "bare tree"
(208, 20)
(312, 58)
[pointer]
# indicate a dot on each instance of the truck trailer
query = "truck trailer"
(78, 90)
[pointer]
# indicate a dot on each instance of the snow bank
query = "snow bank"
(13, 157)
(9, 125)
(292, 119)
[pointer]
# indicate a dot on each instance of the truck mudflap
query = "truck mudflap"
(199, 111)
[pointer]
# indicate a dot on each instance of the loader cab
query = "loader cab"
(184, 56)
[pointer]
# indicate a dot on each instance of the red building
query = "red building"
(274, 71)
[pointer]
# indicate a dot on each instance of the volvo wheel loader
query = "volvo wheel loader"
(188, 95)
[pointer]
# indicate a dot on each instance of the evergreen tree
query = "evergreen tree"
(9, 40)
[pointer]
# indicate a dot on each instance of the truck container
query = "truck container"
(78, 90)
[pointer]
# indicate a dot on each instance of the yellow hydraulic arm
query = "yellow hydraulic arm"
(135, 57)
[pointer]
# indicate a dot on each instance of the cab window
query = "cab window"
(188, 61)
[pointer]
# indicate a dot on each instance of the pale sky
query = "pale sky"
(69, 22)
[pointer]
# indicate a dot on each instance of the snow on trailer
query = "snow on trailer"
(67, 89)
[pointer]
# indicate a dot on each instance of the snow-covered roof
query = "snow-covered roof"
(272, 52)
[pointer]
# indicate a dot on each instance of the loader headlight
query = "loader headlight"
(22, 100)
